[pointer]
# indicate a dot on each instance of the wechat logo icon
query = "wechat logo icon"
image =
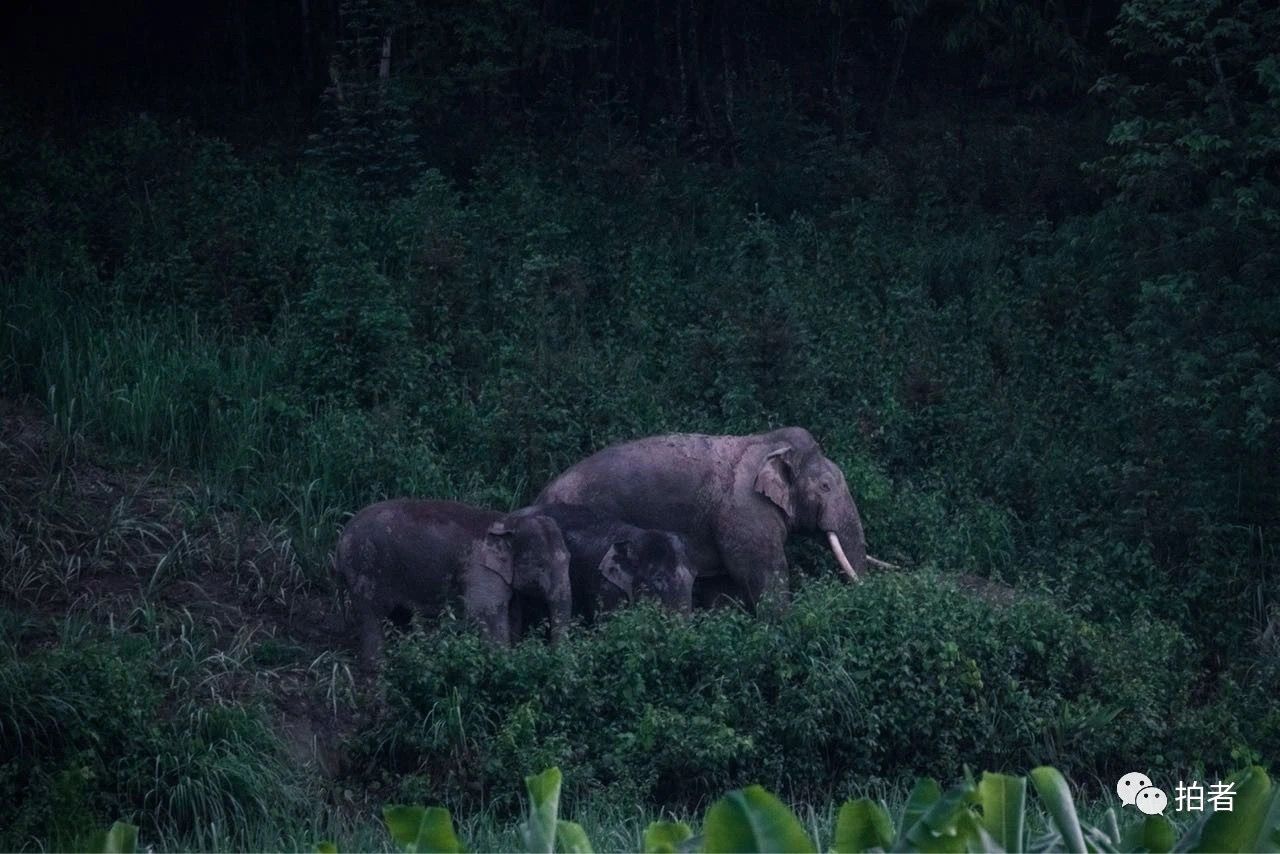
(1135, 790)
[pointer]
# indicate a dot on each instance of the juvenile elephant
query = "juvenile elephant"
(734, 499)
(612, 563)
(405, 555)
(518, 571)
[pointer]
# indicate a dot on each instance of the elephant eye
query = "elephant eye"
(826, 487)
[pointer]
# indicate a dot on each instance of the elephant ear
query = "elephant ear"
(494, 551)
(774, 480)
(611, 567)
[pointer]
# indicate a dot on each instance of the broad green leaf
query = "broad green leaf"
(1155, 834)
(664, 837)
(539, 830)
(1243, 828)
(1113, 826)
(944, 826)
(1190, 840)
(436, 834)
(923, 795)
(749, 820)
(1056, 797)
(1268, 838)
(692, 845)
(571, 838)
(1004, 807)
(1096, 839)
(424, 830)
(976, 835)
(326, 847)
(120, 838)
(862, 825)
(403, 823)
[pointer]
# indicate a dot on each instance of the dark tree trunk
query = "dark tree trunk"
(895, 72)
(730, 132)
(305, 9)
(242, 51)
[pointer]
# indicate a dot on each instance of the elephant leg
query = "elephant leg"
(559, 601)
(559, 625)
(370, 628)
(717, 591)
(515, 622)
(755, 560)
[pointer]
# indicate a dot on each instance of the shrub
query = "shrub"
(905, 673)
(98, 728)
(353, 338)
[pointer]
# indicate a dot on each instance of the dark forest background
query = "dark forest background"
(1013, 262)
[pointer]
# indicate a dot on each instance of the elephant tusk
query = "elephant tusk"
(881, 564)
(839, 553)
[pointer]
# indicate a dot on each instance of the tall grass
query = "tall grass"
(168, 389)
(151, 721)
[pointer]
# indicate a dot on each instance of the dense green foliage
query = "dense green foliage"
(902, 675)
(109, 726)
(1038, 329)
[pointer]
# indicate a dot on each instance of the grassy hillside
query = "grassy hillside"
(167, 661)
(1040, 335)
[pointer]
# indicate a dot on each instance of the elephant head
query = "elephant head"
(812, 494)
(651, 565)
(522, 557)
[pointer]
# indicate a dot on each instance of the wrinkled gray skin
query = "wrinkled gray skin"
(734, 500)
(518, 571)
(612, 564)
(405, 555)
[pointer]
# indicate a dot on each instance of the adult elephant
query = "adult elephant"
(735, 500)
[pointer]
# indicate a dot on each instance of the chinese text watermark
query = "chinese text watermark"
(1135, 790)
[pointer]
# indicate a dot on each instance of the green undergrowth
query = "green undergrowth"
(903, 674)
(153, 719)
(991, 814)
(132, 722)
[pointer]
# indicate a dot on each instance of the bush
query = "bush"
(352, 337)
(902, 674)
(99, 728)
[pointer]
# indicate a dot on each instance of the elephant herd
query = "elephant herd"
(680, 518)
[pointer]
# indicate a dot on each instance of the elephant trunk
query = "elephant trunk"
(682, 600)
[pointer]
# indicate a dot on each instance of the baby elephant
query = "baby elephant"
(408, 555)
(518, 571)
(613, 563)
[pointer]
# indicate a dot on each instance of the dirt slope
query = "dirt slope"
(117, 545)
